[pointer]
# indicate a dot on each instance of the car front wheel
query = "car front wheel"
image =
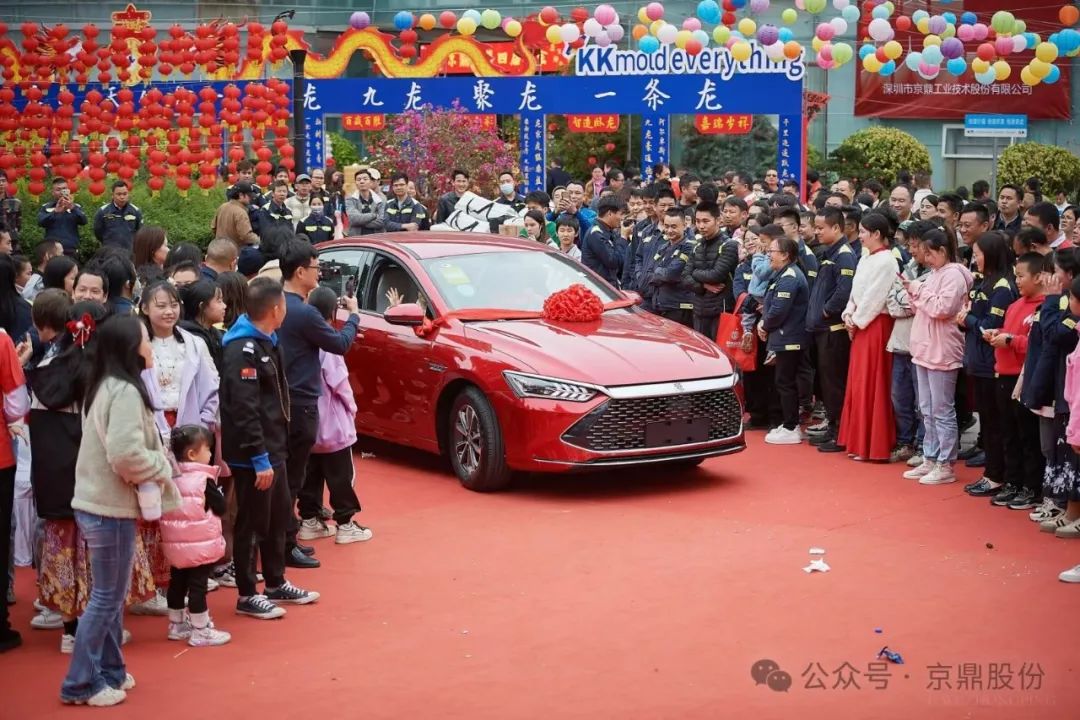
(475, 443)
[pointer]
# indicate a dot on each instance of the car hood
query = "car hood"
(625, 347)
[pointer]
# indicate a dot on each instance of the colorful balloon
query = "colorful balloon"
(1046, 52)
(825, 31)
(956, 66)
(747, 27)
(768, 34)
(512, 28)
(1002, 70)
(654, 10)
(709, 11)
(839, 25)
(467, 26)
(789, 16)
(403, 20)
(741, 51)
(447, 19)
(426, 21)
(359, 20)
(490, 19)
(605, 15)
(880, 30)
(1069, 15)
(648, 44)
(842, 53)
(952, 48)
(851, 14)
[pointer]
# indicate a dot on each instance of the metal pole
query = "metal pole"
(299, 139)
(993, 169)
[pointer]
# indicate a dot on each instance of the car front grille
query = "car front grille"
(620, 424)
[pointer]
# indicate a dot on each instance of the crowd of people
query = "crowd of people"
(181, 413)
(180, 416)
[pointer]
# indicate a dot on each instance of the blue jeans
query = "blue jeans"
(97, 660)
(937, 400)
(905, 399)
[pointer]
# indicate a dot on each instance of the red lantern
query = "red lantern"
(610, 147)
(97, 188)
(183, 184)
(591, 160)
(156, 183)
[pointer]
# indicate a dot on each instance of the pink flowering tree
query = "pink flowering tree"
(429, 144)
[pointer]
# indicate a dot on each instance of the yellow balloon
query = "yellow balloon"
(513, 28)
(682, 38)
(893, 50)
(931, 40)
(1039, 68)
(923, 25)
(1046, 52)
(870, 63)
(721, 34)
(741, 51)
(466, 26)
(950, 31)
(1002, 70)
(655, 25)
(979, 66)
(817, 43)
(1028, 77)
(553, 34)
(643, 17)
(747, 27)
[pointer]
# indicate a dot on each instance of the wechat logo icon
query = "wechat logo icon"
(767, 672)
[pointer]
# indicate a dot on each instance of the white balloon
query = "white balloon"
(602, 39)
(667, 33)
(840, 4)
(775, 51)
(839, 25)
(569, 33)
(880, 29)
(615, 32)
(592, 27)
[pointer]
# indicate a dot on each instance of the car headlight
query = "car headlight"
(548, 388)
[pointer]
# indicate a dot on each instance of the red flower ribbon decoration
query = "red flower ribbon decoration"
(575, 304)
(82, 329)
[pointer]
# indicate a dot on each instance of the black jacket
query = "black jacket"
(446, 206)
(662, 273)
(317, 228)
(402, 212)
(603, 250)
(117, 226)
(712, 262)
(831, 289)
(211, 336)
(254, 399)
(273, 215)
(303, 334)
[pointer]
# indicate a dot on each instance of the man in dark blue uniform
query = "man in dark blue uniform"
(603, 249)
(664, 269)
(403, 212)
(62, 217)
(118, 220)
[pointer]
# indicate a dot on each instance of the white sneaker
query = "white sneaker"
(1072, 575)
(67, 644)
(39, 606)
(47, 620)
(106, 697)
(129, 683)
(783, 436)
(208, 636)
(179, 630)
(942, 474)
(922, 470)
(352, 532)
(154, 606)
(315, 529)
(212, 585)
(915, 460)
(1047, 511)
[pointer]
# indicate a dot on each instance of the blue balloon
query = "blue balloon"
(403, 20)
(473, 15)
(932, 55)
(864, 50)
(1054, 75)
(913, 60)
(1031, 40)
(708, 11)
(888, 68)
(986, 78)
(850, 13)
(738, 4)
(785, 35)
(880, 12)
(969, 18)
(648, 44)
(956, 66)
(1068, 40)
(949, 18)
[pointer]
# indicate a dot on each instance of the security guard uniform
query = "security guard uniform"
(643, 241)
(117, 226)
(824, 319)
(603, 250)
(273, 215)
(784, 319)
(662, 273)
(319, 228)
(403, 212)
(809, 263)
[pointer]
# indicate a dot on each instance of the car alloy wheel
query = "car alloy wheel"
(468, 440)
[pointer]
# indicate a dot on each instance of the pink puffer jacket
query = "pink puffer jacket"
(191, 535)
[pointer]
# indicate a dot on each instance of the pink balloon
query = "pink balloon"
(1003, 45)
(966, 33)
(654, 11)
(826, 64)
(691, 24)
(825, 53)
(981, 32)
(825, 32)
(605, 14)
(929, 71)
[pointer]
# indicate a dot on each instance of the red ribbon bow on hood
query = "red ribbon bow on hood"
(81, 329)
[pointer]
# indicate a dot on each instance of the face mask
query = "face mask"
(506, 188)
(316, 212)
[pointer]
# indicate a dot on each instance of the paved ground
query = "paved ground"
(644, 595)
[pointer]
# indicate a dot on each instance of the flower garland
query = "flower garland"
(576, 304)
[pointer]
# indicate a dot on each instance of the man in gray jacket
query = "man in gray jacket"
(365, 208)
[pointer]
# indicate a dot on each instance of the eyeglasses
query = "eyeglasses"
(316, 266)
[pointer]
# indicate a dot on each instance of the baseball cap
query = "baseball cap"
(303, 177)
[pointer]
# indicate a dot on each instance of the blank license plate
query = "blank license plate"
(676, 432)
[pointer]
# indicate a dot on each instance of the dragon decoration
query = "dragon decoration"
(188, 132)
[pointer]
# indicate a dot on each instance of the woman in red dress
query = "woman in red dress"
(867, 427)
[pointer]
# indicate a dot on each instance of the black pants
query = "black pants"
(762, 401)
(337, 471)
(7, 504)
(990, 425)
(834, 352)
(707, 325)
(963, 403)
(805, 380)
(787, 385)
(303, 429)
(189, 583)
(683, 317)
(1019, 428)
(262, 518)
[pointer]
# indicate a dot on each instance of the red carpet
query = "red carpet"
(649, 595)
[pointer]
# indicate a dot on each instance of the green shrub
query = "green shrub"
(344, 151)
(1058, 168)
(185, 219)
(878, 152)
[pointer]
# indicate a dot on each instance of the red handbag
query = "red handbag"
(729, 336)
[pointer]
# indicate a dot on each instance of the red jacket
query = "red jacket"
(1009, 360)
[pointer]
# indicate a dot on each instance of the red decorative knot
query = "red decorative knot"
(574, 304)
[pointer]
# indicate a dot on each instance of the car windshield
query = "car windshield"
(508, 280)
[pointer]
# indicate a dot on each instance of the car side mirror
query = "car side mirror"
(407, 314)
(633, 296)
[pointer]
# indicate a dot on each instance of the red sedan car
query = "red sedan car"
(454, 358)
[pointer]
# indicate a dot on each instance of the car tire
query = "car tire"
(475, 443)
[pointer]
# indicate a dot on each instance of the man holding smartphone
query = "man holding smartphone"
(62, 217)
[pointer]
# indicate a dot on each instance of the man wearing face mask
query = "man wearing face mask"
(508, 194)
(402, 211)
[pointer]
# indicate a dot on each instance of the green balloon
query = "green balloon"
(815, 6)
(1002, 21)
(1019, 27)
(841, 53)
(490, 19)
(789, 16)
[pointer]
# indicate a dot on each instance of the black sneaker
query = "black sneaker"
(968, 453)
(1024, 500)
(9, 640)
(257, 606)
(966, 424)
(821, 439)
(289, 593)
(1005, 495)
(982, 488)
(831, 447)
(296, 558)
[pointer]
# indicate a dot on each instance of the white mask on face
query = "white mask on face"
(506, 188)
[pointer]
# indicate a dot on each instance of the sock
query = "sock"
(176, 616)
(199, 621)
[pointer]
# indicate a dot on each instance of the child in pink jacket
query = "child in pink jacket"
(1072, 396)
(191, 538)
(331, 460)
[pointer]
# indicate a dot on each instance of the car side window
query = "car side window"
(391, 284)
(345, 270)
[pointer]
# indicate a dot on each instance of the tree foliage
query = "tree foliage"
(1058, 168)
(712, 155)
(878, 152)
(344, 151)
(580, 152)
